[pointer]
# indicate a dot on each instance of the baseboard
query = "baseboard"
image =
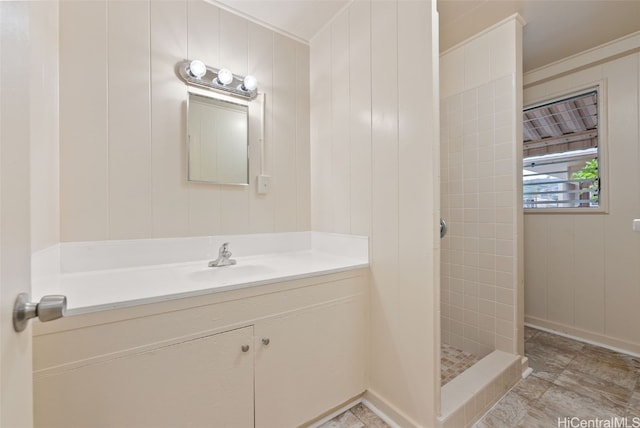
(380, 413)
(597, 339)
(333, 413)
(524, 367)
(387, 411)
(354, 402)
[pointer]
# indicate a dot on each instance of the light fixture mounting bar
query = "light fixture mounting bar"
(210, 81)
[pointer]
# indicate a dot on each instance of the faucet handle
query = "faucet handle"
(224, 257)
(224, 251)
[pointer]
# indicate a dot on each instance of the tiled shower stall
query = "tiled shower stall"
(481, 256)
(480, 192)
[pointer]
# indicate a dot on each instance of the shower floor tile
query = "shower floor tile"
(453, 361)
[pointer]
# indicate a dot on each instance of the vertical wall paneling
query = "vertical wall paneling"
(129, 119)
(340, 105)
(321, 169)
(203, 33)
(360, 117)
(170, 197)
(234, 56)
(45, 143)
(621, 266)
(417, 117)
(372, 151)
(203, 43)
(581, 270)
(535, 267)
(123, 145)
(303, 154)
(588, 269)
(384, 187)
(261, 64)
(283, 142)
(83, 131)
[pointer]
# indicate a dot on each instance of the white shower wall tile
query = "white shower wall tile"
(478, 199)
(478, 189)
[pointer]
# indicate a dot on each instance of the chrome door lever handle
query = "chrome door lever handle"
(48, 309)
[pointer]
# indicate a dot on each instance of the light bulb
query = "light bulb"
(197, 68)
(224, 77)
(250, 83)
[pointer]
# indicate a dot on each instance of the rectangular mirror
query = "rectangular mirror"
(217, 135)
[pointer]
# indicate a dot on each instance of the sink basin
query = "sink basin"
(238, 272)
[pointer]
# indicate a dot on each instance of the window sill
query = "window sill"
(599, 210)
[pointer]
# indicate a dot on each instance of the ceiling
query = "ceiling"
(301, 19)
(555, 28)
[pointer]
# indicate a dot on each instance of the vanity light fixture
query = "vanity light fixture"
(224, 77)
(197, 69)
(196, 73)
(249, 83)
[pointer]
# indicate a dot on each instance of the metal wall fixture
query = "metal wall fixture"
(222, 80)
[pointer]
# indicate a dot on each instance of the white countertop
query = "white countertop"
(89, 289)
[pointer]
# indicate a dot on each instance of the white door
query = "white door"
(15, 249)
(303, 370)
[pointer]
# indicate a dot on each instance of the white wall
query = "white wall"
(375, 161)
(122, 122)
(44, 118)
(481, 145)
(582, 274)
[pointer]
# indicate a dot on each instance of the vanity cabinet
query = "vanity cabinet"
(207, 381)
(307, 362)
(275, 356)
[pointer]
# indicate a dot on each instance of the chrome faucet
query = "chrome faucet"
(223, 257)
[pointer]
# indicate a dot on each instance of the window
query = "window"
(561, 153)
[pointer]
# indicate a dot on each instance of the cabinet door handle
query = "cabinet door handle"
(265, 340)
(245, 348)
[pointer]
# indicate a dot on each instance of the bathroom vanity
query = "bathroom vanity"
(279, 352)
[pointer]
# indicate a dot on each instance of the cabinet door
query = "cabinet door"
(315, 360)
(206, 382)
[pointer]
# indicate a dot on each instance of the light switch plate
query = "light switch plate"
(636, 225)
(264, 184)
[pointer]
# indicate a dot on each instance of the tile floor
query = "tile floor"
(359, 416)
(569, 379)
(453, 361)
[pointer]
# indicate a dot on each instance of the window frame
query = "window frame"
(600, 86)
